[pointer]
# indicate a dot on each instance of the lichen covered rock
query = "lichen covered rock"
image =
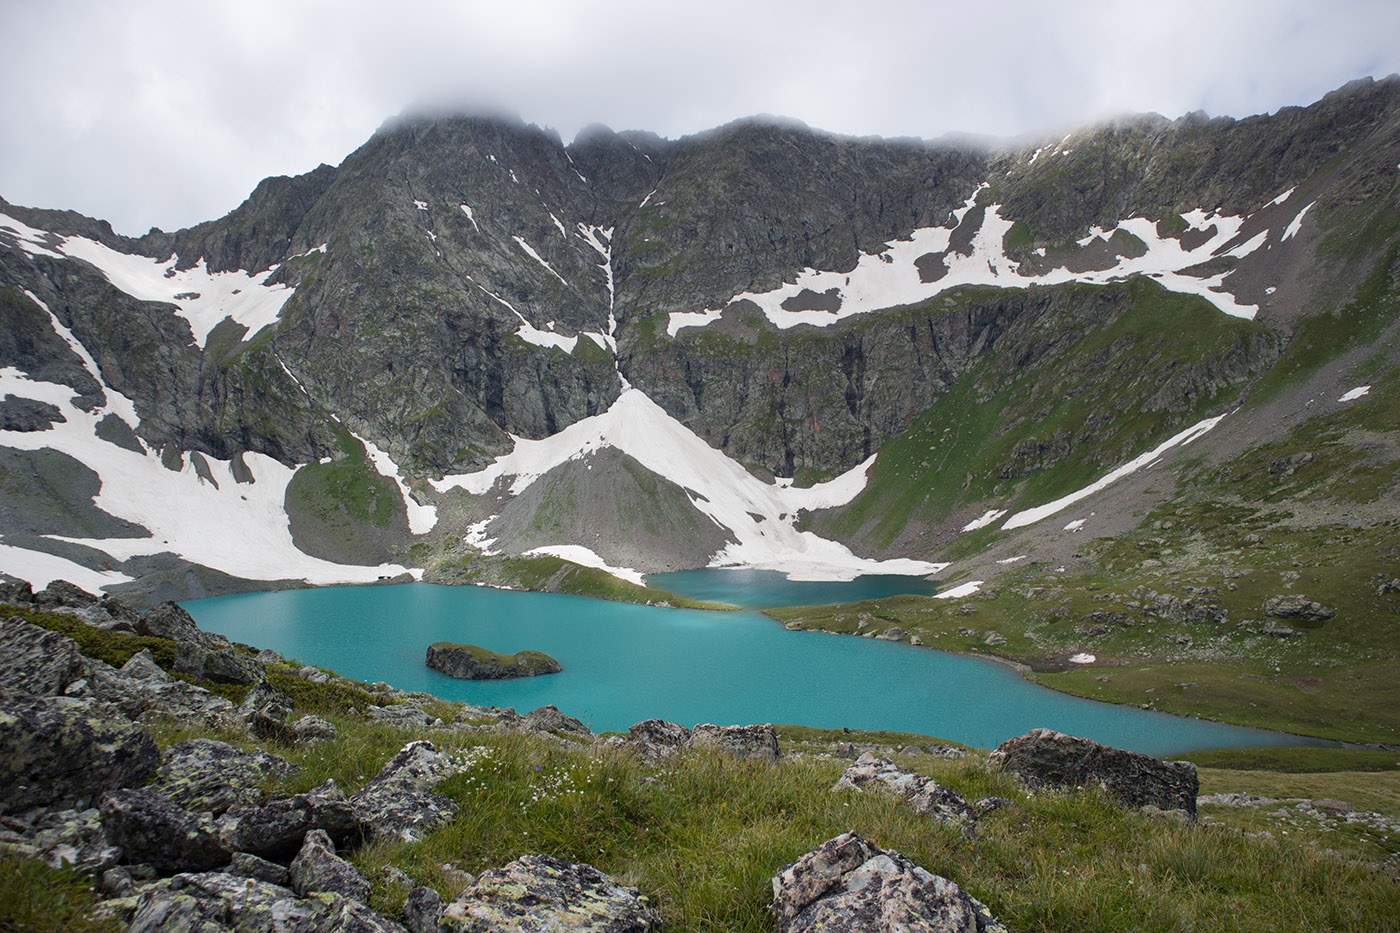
(537, 892)
(848, 885)
(1043, 756)
(318, 870)
(399, 801)
(57, 751)
(923, 794)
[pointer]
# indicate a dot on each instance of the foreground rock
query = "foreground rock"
(318, 870)
(1043, 756)
(470, 662)
(847, 885)
(657, 740)
(215, 901)
(537, 892)
(923, 794)
(57, 751)
(399, 801)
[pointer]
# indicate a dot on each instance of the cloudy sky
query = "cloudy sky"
(168, 113)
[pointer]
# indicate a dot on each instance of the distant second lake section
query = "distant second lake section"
(624, 663)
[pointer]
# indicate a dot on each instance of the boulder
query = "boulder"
(656, 739)
(221, 665)
(277, 828)
(251, 866)
(205, 774)
(422, 909)
(549, 719)
(61, 593)
(847, 885)
(471, 662)
(215, 901)
(1296, 606)
(1042, 756)
(399, 801)
(402, 715)
(59, 751)
(265, 709)
(538, 892)
(60, 837)
(36, 660)
(318, 870)
(313, 729)
(149, 828)
(168, 620)
(757, 742)
(923, 794)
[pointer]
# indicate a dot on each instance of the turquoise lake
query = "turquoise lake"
(624, 663)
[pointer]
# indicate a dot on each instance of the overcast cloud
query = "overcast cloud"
(161, 113)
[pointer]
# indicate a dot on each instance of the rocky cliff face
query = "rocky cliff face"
(799, 301)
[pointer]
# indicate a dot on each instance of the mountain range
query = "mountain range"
(471, 352)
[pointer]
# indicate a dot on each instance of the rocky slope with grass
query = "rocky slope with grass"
(226, 788)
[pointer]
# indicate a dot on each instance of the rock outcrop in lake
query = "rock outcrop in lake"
(471, 662)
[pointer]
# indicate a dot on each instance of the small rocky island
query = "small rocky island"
(471, 662)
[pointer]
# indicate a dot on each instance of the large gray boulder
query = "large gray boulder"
(150, 829)
(168, 620)
(758, 742)
(205, 774)
(318, 870)
(58, 751)
(1043, 756)
(221, 665)
(550, 719)
(923, 794)
(214, 902)
(538, 893)
(1297, 606)
(399, 801)
(848, 885)
(277, 828)
(36, 660)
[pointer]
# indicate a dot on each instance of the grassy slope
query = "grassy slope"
(1100, 387)
(702, 836)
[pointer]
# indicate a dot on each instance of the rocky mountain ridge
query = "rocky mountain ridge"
(1030, 317)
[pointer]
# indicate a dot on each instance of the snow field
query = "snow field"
(201, 297)
(718, 487)
(889, 278)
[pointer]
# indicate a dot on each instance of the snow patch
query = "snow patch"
(1082, 658)
(760, 516)
(984, 520)
(40, 569)
(238, 528)
(476, 537)
(118, 404)
(560, 224)
(890, 277)
(520, 241)
(1354, 394)
(421, 205)
(1029, 516)
(1296, 223)
(470, 216)
(582, 555)
(1075, 525)
(421, 518)
(1012, 560)
(201, 297)
(957, 592)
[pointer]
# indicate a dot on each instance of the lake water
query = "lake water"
(624, 663)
